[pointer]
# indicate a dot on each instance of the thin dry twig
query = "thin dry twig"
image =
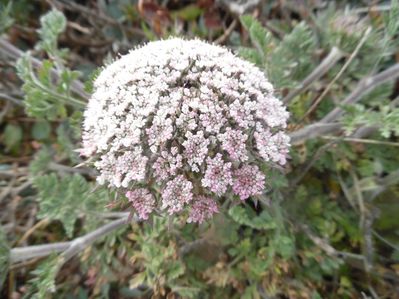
(342, 70)
(221, 39)
(359, 198)
(327, 125)
(69, 249)
(97, 15)
(81, 243)
(6, 191)
(327, 248)
(42, 223)
(313, 131)
(64, 168)
(363, 88)
(360, 140)
(364, 131)
(5, 110)
(327, 63)
(11, 99)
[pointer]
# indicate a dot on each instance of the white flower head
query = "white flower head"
(187, 116)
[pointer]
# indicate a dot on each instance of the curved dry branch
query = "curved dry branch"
(68, 249)
(327, 63)
(365, 85)
(327, 125)
(313, 131)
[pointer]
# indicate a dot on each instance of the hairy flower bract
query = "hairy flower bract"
(178, 125)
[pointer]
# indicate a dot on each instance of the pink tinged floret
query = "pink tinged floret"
(271, 146)
(217, 176)
(142, 201)
(248, 181)
(187, 119)
(202, 209)
(195, 149)
(119, 171)
(212, 117)
(167, 164)
(271, 110)
(160, 132)
(233, 142)
(243, 113)
(176, 194)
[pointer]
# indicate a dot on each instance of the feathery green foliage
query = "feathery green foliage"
(5, 16)
(246, 216)
(40, 163)
(47, 96)
(286, 61)
(43, 282)
(67, 199)
(52, 25)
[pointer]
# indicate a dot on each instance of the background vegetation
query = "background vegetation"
(328, 226)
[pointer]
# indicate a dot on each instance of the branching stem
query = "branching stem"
(327, 125)
(363, 88)
(15, 53)
(344, 67)
(68, 249)
(328, 62)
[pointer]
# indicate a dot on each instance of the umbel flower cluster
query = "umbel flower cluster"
(176, 125)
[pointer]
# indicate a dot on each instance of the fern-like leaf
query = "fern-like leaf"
(67, 199)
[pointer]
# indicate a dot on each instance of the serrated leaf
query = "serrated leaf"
(291, 60)
(4, 257)
(251, 55)
(260, 37)
(46, 94)
(66, 199)
(39, 102)
(284, 246)
(65, 142)
(175, 270)
(89, 84)
(43, 282)
(75, 122)
(66, 78)
(316, 295)
(246, 216)
(45, 98)
(251, 292)
(126, 293)
(247, 21)
(52, 24)
(40, 162)
(5, 19)
(392, 20)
